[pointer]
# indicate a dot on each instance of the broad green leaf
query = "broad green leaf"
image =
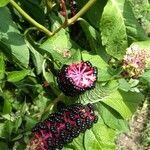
(16, 76)
(3, 145)
(9, 126)
(99, 93)
(124, 85)
(94, 95)
(3, 3)
(92, 36)
(30, 123)
(2, 130)
(58, 46)
(100, 137)
(11, 41)
(97, 61)
(146, 77)
(113, 29)
(7, 106)
(17, 123)
(111, 118)
(134, 29)
(2, 66)
(76, 144)
(36, 56)
(125, 103)
(8, 99)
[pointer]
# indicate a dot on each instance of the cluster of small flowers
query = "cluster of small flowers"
(76, 78)
(135, 61)
(62, 127)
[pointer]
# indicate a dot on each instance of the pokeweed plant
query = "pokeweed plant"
(58, 60)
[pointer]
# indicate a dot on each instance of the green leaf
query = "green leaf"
(113, 29)
(92, 36)
(3, 146)
(99, 138)
(2, 66)
(36, 56)
(111, 118)
(30, 123)
(97, 61)
(8, 99)
(9, 126)
(125, 103)
(3, 3)
(134, 29)
(143, 44)
(76, 144)
(99, 93)
(145, 78)
(124, 85)
(11, 41)
(17, 123)
(94, 95)
(16, 76)
(7, 106)
(59, 47)
(2, 129)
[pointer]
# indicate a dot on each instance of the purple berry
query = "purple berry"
(62, 127)
(76, 78)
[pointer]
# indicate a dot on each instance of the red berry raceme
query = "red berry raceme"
(76, 78)
(62, 127)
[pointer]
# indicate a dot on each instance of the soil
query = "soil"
(139, 126)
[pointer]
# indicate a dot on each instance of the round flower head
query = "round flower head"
(76, 78)
(62, 127)
(135, 61)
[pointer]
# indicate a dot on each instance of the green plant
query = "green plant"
(38, 37)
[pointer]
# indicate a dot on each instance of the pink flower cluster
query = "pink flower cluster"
(135, 61)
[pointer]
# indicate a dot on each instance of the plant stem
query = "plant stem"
(50, 106)
(81, 12)
(70, 21)
(31, 20)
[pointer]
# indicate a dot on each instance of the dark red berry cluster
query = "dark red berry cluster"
(62, 127)
(76, 78)
(73, 7)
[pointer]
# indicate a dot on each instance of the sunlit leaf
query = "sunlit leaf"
(113, 29)
(16, 76)
(12, 42)
(3, 3)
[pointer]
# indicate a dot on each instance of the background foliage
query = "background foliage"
(29, 60)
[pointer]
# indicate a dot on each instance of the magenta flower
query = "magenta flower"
(76, 78)
(135, 61)
(62, 127)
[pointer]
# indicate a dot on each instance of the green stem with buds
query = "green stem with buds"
(72, 20)
(66, 23)
(81, 12)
